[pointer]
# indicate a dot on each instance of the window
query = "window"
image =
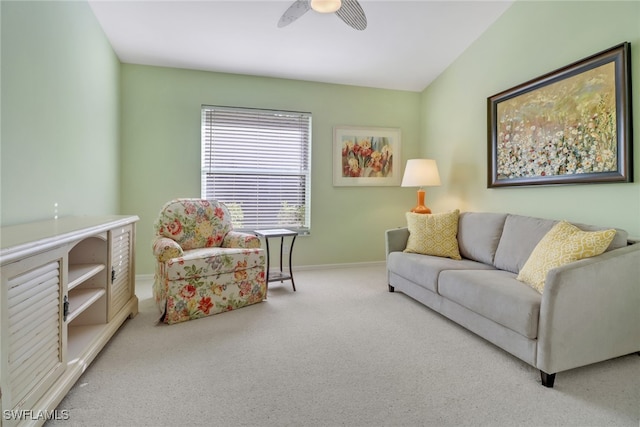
(258, 163)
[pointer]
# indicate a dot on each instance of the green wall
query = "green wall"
(97, 137)
(161, 153)
(529, 40)
(60, 113)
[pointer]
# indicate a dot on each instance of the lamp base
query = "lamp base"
(421, 208)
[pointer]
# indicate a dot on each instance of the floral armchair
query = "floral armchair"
(203, 266)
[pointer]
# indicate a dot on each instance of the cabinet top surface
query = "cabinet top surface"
(21, 236)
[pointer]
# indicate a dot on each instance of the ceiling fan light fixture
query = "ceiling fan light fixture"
(326, 6)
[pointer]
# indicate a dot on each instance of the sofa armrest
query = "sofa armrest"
(238, 239)
(165, 249)
(396, 240)
(589, 311)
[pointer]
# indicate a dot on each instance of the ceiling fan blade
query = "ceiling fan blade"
(352, 14)
(295, 11)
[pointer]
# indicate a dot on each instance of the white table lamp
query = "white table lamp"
(421, 173)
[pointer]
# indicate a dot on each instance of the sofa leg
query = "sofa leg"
(547, 379)
(391, 288)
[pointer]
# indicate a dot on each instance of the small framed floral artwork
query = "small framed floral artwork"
(367, 156)
(570, 126)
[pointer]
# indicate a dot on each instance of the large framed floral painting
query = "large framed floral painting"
(570, 126)
(366, 156)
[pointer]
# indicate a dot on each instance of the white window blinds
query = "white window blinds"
(258, 163)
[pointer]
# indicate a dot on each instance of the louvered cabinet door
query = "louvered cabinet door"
(121, 261)
(33, 355)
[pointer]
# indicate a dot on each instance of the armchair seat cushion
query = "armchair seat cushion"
(206, 262)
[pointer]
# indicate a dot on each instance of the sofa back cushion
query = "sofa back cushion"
(521, 234)
(479, 234)
(619, 240)
(563, 244)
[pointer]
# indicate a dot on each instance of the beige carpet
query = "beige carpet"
(339, 351)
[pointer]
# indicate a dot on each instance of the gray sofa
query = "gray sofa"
(589, 310)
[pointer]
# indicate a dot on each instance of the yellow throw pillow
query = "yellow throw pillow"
(563, 244)
(433, 234)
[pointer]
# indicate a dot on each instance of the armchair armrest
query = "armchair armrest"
(589, 311)
(396, 240)
(165, 249)
(237, 239)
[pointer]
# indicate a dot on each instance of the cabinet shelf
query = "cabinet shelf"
(81, 338)
(81, 299)
(79, 273)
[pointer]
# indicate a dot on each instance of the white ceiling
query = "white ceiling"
(406, 45)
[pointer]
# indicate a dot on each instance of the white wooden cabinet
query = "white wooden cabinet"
(67, 285)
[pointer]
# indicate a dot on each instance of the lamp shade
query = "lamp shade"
(421, 173)
(325, 6)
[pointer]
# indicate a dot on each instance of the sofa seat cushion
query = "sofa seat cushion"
(496, 295)
(213, 261)
(424, 270)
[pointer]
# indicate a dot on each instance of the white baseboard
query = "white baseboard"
(149, 277)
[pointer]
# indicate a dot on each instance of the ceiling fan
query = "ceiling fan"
(349, 11)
